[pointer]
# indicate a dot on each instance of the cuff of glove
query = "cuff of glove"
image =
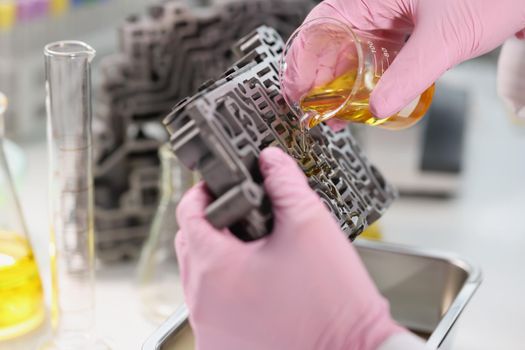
(374, 328)
(521, 113)
(405, 341)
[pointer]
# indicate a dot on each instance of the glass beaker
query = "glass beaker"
(21, 296)
(328, 70)
(68, 103)
(158, 271)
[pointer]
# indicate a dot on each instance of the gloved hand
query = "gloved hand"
(303, 287)
(442, 34)
(511, 76)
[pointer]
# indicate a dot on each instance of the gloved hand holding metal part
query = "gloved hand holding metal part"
(303, 286)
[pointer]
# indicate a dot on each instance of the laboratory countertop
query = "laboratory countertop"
(483, 223)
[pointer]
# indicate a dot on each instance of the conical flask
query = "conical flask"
(158, 272)
(21, 296)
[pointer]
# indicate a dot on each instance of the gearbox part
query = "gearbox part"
(221, 130)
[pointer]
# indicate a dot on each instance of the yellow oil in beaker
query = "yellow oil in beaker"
(21, 296)
(330, 96)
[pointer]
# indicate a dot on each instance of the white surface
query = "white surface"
(404, 341)
(484, 224)
(15, 158)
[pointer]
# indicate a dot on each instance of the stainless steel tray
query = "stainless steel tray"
(427, 291)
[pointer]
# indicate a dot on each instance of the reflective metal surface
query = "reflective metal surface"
(427, 292)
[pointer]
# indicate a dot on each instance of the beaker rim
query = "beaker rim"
(360, 63)
(69, 49)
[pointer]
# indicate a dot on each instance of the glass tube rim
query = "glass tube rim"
(83, 50)
(360, 63)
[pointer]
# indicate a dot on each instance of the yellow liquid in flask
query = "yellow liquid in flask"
(21, 296)
(329, 97)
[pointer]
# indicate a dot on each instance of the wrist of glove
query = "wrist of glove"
(302, 287)
(404, 341)
(511, 77)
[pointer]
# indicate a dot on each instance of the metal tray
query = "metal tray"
(427, 292)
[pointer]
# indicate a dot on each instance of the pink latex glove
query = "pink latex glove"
(303, 287)
(511, 76)
(443, 33)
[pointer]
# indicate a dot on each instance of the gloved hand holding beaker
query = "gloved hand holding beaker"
(442, 34)
(302, 287)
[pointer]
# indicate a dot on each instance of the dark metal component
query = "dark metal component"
(238, 203)
(165, 55)
(221, 130)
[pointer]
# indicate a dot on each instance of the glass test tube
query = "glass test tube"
(68, 103)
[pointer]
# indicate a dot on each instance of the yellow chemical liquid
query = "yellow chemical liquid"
(7, 14)
(372, 233)
(58, 7)
(21, 296)
(323, 99)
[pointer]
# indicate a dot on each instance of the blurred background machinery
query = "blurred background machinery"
(164, 56)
